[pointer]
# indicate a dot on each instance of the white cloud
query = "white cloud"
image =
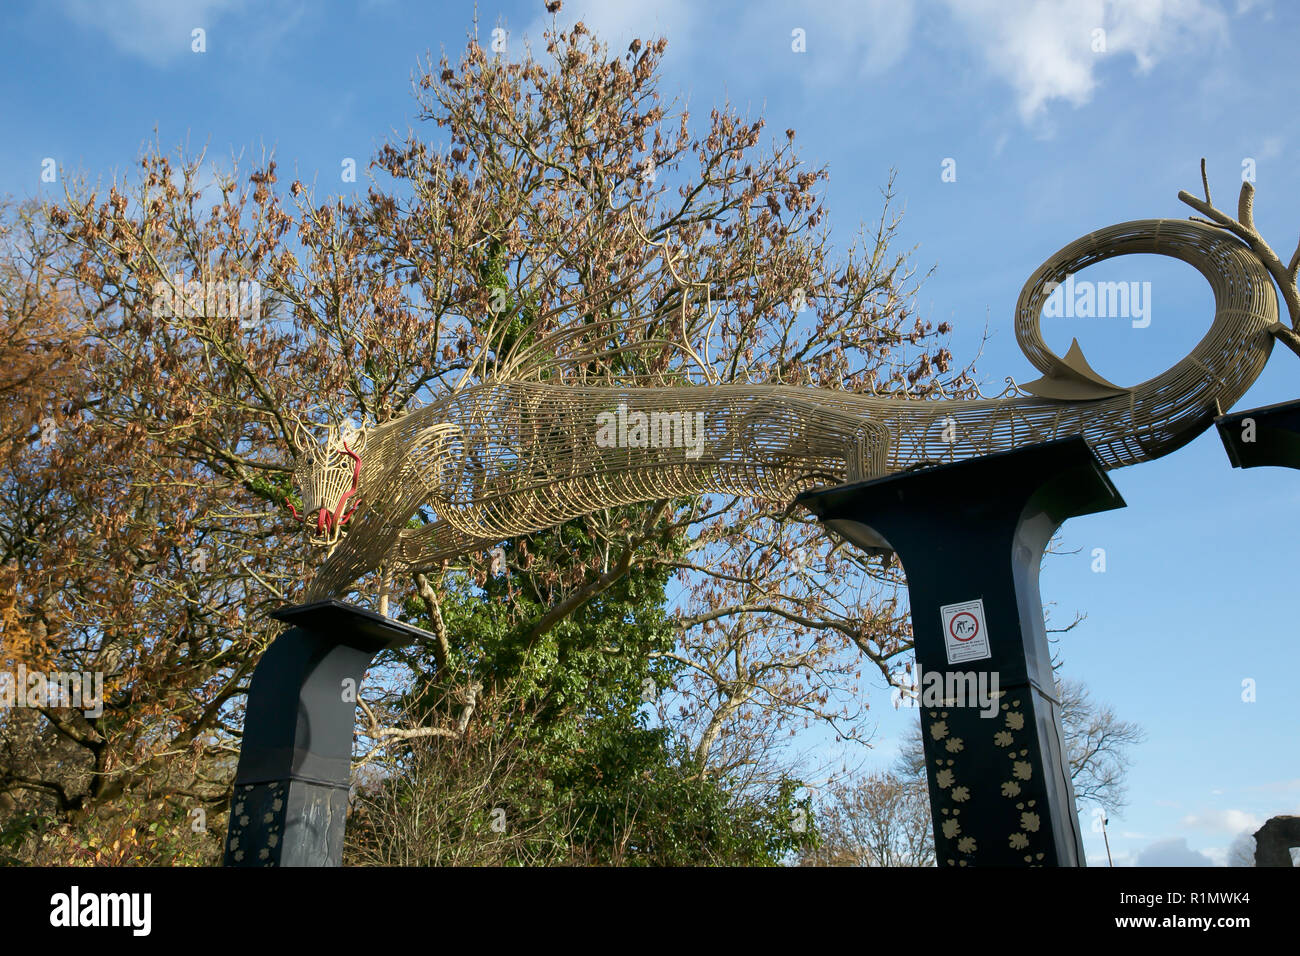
(1172, 852)
(1044, 50)
(1217, 855)
(156, 31)
(1223, 821)
(867, 37)
(1270, 148)
(1246, 6)
(857, 38)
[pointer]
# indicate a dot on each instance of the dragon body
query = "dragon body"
(512, 456)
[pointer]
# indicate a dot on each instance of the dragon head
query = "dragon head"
(328, 474)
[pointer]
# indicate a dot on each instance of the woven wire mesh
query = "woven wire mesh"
(513, 456)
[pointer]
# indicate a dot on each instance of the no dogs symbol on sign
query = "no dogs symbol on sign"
(965, 635)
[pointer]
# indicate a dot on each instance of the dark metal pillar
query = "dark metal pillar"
(1262, 436)
(1252, 439)
(291, 787)
(971, 536)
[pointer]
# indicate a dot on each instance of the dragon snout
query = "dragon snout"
(328, 492)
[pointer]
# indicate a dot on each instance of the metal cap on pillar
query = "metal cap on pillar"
(1262, 436)
(291, 787)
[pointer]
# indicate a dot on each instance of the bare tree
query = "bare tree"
(882, 819)
(1241, 852)
(152, 539)
(453, 799)
(1096, 744)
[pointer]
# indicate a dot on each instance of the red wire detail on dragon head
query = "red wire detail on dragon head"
(329, 477)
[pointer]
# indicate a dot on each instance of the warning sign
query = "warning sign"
(965, 635)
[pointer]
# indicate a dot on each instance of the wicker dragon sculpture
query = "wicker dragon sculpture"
(521, 452)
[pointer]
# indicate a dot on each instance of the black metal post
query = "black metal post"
(1254, 438)
(971, 536)
(1262, 436)
(291, 787)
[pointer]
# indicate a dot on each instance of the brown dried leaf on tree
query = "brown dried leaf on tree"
(151, 540)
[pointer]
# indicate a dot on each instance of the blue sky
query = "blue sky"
(1051, 140)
